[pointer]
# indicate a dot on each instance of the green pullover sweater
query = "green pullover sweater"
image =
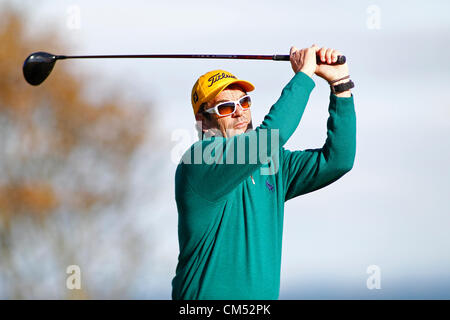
(230, 210)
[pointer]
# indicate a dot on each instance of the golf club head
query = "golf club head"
(38, 66)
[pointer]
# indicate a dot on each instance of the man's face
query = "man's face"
(234, 124)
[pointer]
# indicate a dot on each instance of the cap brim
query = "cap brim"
(247, 86)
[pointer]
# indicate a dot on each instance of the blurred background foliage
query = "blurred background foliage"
(66, 169)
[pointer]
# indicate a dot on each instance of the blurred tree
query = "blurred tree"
(65, 167)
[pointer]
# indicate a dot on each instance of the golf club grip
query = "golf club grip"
(282, 57)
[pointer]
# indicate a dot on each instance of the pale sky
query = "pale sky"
(392, 210)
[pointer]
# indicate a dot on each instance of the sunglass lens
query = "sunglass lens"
(245, 102)
(226, 108)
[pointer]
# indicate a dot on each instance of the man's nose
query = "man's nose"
(239, 110)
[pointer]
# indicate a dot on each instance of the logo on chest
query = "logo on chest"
(269, 186)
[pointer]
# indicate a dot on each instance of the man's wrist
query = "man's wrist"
(338, 79)
(339, 84)
(307, 72)
(346, 93)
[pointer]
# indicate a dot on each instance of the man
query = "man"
(231, 211)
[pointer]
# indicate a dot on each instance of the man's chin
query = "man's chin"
(234, 132)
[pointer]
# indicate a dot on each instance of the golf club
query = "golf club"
(38, 65)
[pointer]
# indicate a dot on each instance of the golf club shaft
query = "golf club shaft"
(277, 57)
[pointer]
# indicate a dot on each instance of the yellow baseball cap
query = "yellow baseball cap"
(211, 84)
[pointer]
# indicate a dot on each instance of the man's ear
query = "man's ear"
(199, 117)
(202, 122)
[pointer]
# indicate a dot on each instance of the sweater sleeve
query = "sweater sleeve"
(312, 169)
(215, 166)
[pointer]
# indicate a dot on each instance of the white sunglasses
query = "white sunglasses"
(229, 107)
